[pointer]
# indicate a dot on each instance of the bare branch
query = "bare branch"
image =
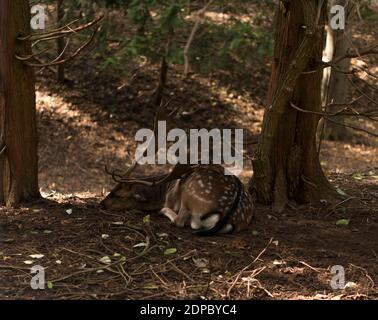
(361, 92)
(200, 17)
(352, 112)
(371, 50)
(3, 149)
(330, 105)
(31, 56)
(61, 32)
(56, 62)
(328, 117)
(352, 127)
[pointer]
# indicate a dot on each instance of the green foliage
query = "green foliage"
(157, 28)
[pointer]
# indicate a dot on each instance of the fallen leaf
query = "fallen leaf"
(350, 285)
(142, 244)
(201, 262)
(170, 251)
(117, 223)
(358, 176)
(151, 287)
(36, 256)
(162, 235)
(341, 192)
(342, 222)
(105, 260)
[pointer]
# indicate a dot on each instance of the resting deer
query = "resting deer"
(201, 196)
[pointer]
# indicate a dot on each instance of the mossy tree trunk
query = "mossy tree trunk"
(18, 133)
(286, 164)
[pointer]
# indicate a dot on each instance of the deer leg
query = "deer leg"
(169, 213)
(182, 217)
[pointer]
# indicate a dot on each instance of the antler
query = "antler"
(178, 171)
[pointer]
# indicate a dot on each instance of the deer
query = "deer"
(201, 196)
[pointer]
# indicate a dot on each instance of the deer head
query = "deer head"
(143, 193)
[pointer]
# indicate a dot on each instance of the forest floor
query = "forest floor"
(89, 253)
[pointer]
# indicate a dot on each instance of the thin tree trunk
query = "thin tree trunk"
(18, 133)
(335, 83)
(286, 165)
(60, 41)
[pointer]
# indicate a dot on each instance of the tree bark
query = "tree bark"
(18, 132)
(335, 83)
(286, 164)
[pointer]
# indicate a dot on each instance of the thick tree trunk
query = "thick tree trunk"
(335, 83)
(286, 164)
(18, 134)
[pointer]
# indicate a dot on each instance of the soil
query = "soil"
(89, 253)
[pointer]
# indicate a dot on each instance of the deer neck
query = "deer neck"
(158, 194)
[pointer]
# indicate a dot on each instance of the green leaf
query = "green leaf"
(342, 222)
(151, 287)
(147, 219)
(358, 176)
(50, 285)
(341, 192)
(170, 251)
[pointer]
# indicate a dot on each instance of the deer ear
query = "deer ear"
(139, 197)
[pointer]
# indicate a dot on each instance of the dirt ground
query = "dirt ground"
(89, 253)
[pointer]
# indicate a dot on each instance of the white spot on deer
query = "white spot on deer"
(198, 197)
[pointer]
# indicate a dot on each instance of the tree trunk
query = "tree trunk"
(60, 41)
(18, 133)
(335, 83)
(286, 164)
